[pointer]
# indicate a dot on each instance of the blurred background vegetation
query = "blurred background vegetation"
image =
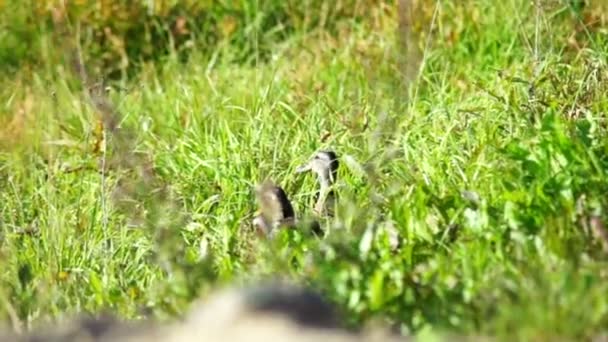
(117, 36)
(132, 132)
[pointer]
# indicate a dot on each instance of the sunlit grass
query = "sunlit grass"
(491, 166)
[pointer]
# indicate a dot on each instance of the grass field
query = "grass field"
(482, 138)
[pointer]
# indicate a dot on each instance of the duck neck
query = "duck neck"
(325, 183)
(325, 191)
(325, 196)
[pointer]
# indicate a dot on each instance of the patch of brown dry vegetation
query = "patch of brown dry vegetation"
(15, 124)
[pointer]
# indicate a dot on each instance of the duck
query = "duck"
(325, 164)
(275, 212)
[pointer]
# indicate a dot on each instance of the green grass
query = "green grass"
(504, 107)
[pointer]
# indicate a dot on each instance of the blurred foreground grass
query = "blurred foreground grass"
(483, 142)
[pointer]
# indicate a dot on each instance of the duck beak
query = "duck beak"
(303, 168)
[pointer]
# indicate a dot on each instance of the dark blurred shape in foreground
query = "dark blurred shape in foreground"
(265, 312)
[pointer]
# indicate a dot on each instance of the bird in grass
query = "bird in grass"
(275, 210)
(324, 164)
